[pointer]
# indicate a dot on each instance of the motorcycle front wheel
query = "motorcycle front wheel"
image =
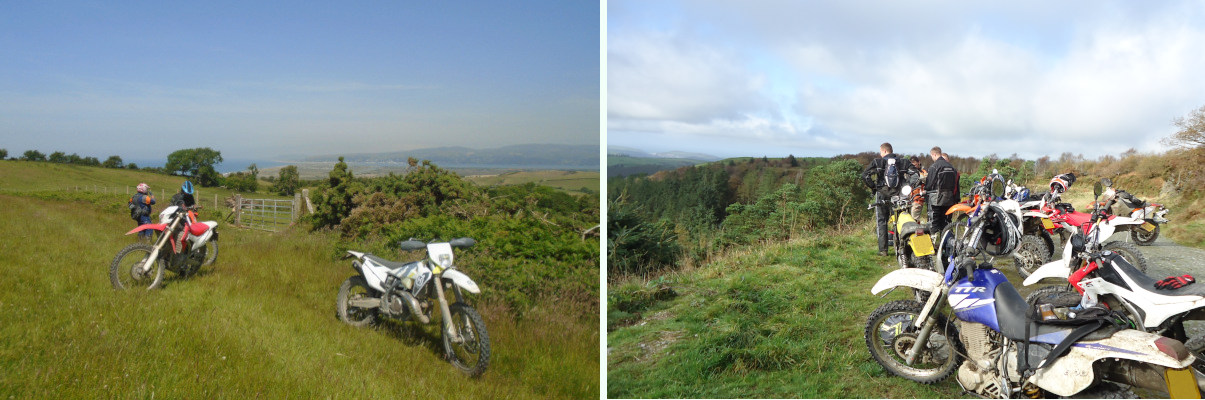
(126, 270)
(352, 288)
(471, 354)
(891, 332)
(1129, 252)
(1144, 237)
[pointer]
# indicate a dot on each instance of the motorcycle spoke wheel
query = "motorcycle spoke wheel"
(1030, 254)
(211, 252)
(126, 270)
(1144, 237)
(354, 288)
(470, 354)
(890, 332)
(1129, 252)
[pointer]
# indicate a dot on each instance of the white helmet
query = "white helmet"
(142, 188)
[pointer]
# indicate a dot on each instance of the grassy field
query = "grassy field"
(568, 181)
(782, 320)
(259, 323)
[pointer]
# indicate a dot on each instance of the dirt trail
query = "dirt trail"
(1166, 258)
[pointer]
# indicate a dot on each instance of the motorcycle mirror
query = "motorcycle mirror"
(1097, 189)
(997, 188)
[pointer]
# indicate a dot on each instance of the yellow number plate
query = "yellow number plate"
(1047, 224)
(1147, 226)
(921, 245)
(1181, 384)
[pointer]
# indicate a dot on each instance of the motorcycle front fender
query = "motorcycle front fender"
(915, 278)
(1073, 372)
(1059, 269)
(960, 207)
(143, 227)
(462, 280)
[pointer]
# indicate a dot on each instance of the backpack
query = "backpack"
(137, 210)
(891, 174)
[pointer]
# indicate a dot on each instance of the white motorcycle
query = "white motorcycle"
(406, 290)
(183, 246)
(998, 349)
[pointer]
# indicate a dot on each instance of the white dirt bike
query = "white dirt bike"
(183, 245)
(406, 291)
(998, 348)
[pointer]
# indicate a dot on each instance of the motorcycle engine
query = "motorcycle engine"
(978, 374)
(396, 306)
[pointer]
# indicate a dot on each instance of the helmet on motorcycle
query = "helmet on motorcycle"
(1060, 183)
(186, 188)
(995, 231)
(142, 188)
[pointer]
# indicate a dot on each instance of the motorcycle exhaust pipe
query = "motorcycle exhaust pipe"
(416, 311)
(1143, 375)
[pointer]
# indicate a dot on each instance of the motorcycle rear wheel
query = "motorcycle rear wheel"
(211, 252)
(1030, 254)
(472, 354)
(890, 332)
(125, 271)
(1143, 237)
(354, 287)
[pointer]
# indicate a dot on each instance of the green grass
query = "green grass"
(259, 323)
(785, 320)
(568, 181)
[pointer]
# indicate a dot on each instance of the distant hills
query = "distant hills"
(624, 161)
(525, 156)
(632, 152)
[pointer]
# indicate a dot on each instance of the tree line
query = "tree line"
(198, 164)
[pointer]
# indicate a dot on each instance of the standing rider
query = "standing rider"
(184, 197)
(942, 189)
(140, 208)
(885, 175)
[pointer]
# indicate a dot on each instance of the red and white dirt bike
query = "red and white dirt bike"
(182, 246)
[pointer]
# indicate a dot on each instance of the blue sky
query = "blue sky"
(778, 77)
(263, 79)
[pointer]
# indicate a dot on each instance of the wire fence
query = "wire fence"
(130, 190)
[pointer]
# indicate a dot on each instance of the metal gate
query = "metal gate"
(266, 214)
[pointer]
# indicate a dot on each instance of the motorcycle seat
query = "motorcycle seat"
(197, 229)
(1144, 281)
(910, 227)
(387, 263)
(1012, 313)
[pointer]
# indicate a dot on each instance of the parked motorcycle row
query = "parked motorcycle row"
(380, 287)
(1103, 329)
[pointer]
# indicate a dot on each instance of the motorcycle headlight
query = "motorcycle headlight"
(444, 261)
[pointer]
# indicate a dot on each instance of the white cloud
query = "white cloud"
(1023, 78)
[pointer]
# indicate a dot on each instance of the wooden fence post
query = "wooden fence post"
(296, 206)
(308, 206)
(238, 210)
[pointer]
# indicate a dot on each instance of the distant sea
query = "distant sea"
(226, 166)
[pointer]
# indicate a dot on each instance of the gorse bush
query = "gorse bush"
(531, 244)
